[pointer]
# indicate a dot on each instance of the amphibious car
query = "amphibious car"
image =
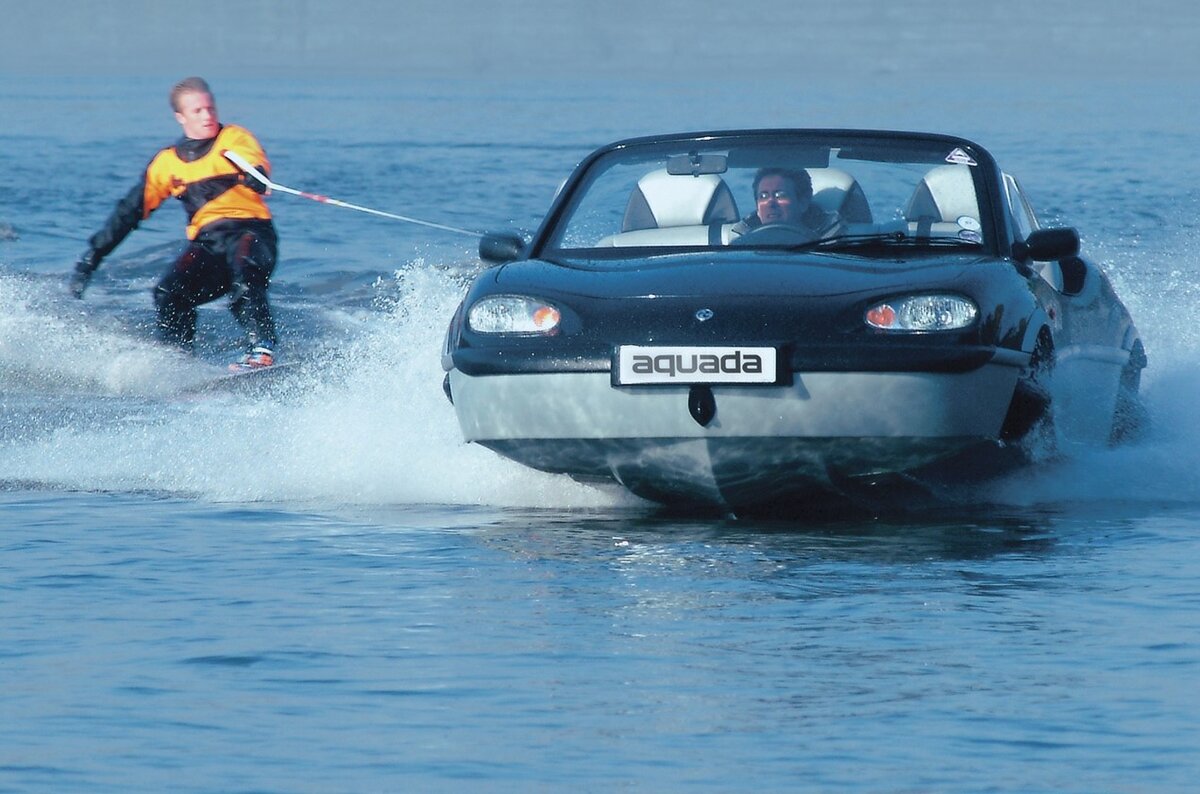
(668, 329)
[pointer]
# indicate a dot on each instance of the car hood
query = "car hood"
(756, 274)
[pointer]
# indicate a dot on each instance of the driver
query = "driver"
(784, 196)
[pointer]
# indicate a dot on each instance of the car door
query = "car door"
(1091, 329)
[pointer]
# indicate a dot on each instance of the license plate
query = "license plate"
(659, 365)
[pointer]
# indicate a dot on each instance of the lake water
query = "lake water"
(326, 590)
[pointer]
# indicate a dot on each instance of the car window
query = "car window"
(715, 194)
(1022, 213)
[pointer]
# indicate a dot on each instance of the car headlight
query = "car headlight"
(513, 314)
(922, 313)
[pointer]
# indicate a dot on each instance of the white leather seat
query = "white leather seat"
(945, 195)
(834, 190)
(663, 200)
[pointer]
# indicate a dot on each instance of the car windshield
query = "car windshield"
(774, 191)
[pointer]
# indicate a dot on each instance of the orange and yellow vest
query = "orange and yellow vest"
(211, 187)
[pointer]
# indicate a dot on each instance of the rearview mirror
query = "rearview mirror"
(697, 164)
(500, 247)
(1045, 245)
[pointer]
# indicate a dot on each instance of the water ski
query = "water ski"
(247, 380)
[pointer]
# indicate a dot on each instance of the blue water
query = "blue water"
(325, 590)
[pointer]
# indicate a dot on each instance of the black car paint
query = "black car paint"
(818, 321)
(811, 306)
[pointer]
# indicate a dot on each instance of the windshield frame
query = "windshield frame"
(811, 145)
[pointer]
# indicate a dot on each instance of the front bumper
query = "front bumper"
(575, 405)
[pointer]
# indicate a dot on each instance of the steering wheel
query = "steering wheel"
(775, 234)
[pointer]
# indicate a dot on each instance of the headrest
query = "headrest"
(834, 190)
(945, 194)
(661, 199)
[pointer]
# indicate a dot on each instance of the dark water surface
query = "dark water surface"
(155, 642)
(325, 590)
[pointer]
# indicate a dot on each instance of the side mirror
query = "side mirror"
(500, 247)
(1046, 245)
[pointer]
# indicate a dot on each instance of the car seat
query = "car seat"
(834, 190)
(662, 200)
(945, 194)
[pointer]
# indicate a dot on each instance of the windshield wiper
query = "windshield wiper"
(882, 240)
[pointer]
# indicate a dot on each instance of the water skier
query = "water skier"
(232, 244)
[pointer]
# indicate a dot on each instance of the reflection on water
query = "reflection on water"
(602, 647)
(590, 532)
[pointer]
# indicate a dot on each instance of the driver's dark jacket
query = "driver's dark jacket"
(213, 190)
(815, 220)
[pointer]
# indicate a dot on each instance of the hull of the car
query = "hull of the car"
(759, 445)
(582, 405)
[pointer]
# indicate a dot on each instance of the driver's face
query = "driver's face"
(777, 200)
